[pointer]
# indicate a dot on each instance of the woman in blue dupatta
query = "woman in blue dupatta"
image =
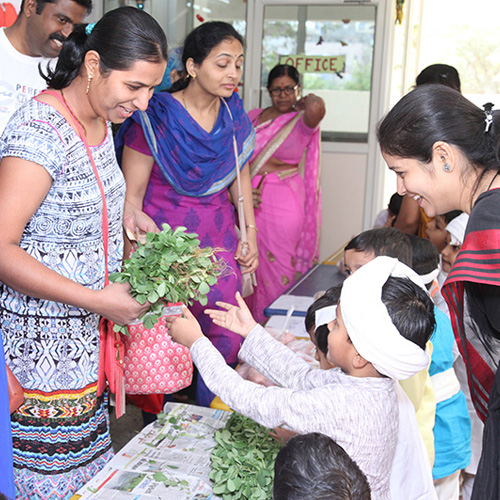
(179, 163)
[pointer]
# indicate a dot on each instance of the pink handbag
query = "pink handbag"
(154, 363)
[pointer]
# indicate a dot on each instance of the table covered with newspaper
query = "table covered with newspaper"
(169, 459)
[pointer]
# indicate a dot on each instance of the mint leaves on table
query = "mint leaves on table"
(169, 267)
(243, 460)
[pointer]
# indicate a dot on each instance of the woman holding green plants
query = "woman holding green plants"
(179, 163)
(58, 172)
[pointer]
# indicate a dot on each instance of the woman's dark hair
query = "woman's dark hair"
(440, 73)
(200, 42)
(395, 204)
(432, 113)
(283, 70)
(410, 308)
(121, 37)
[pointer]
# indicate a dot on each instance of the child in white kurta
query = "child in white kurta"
(354, 404)
(360, 414)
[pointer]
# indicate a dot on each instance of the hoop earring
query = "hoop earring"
(446, 167)
(89, 79)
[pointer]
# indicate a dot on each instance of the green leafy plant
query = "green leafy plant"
(169, 267)
(243, 460)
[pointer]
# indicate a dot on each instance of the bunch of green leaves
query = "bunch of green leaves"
(243, 460)
(169, 267)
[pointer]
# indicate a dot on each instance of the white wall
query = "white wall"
(343, 178)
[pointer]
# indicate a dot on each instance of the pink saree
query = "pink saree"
(289, 217)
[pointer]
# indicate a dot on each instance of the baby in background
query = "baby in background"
(384, 320)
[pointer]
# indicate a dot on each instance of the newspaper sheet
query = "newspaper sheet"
(168, 460)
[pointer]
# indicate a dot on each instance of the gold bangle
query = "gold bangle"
(251, 226)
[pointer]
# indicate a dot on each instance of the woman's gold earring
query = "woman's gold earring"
(89, 79)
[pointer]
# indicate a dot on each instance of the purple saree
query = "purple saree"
(189, 159)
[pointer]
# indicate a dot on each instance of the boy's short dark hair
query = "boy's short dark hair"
(330, 298)
(410, 308)
(425, 256)
(387, 241)
(314, 467)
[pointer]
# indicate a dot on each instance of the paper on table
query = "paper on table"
(284, 302)
(169, 459)
(295, 327)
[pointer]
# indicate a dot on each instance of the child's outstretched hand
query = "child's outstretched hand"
(282, 435)
(238, 318)
(184, 330)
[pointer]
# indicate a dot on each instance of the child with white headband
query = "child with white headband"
(384, 320)
(391, 242)
(455, 234)
(321, 312)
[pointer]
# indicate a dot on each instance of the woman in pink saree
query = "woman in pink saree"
(287, 206)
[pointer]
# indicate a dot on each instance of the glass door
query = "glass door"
(332, 47)
(342, 50)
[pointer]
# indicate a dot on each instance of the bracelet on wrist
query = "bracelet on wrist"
(251, 226)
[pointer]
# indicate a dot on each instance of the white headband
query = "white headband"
(456, 228)
(369, 325)
(324, 316)
(429, 277)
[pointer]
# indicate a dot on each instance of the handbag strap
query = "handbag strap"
(241, 207)
(105, 221)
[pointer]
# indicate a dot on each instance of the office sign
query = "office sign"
(315, 64)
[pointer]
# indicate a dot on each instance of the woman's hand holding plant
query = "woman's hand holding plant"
(115, 303)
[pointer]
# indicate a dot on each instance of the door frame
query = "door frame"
(380, 88)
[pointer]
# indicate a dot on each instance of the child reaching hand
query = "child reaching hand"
(384, 320)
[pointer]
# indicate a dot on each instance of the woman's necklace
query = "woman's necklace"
(187, 109)
(492, 180)
(72, 113)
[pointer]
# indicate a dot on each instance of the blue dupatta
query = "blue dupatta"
(194, 162)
